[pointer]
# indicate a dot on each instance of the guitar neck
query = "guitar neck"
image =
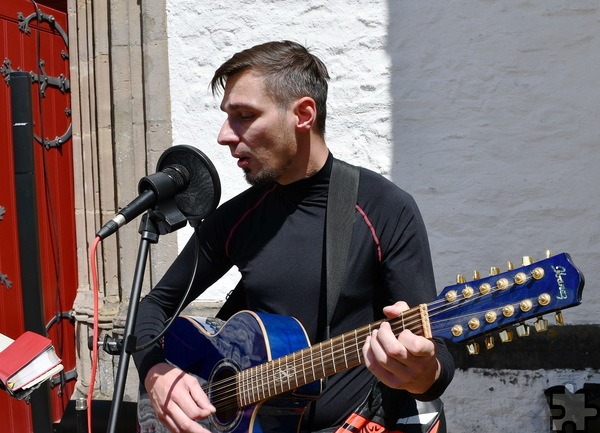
(320, 360)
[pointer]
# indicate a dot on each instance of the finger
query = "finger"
(370, 349)
(181, 422)
(416, 345)
(179, 410)
(388, 346)
(199, 404)
(377, 358)
(396, 309)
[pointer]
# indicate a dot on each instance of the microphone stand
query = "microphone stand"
(153, 223)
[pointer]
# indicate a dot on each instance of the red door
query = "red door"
(36, 43)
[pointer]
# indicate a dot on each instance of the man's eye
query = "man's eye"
(246, 116)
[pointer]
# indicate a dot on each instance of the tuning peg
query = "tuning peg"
(476, 275)
(527, 260)
(510, 265)
(548, 254)
(473, 348)
(494, 270)
(506, 336)
(451, 296)
(520, 278)
(460, 279)
(560, 320)
(523, 330)
(489, 341)
(541, 324)
(538, 273)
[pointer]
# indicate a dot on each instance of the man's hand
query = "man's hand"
(177, 398)
(407, 361)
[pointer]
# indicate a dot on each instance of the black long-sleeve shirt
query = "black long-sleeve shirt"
(274, 235)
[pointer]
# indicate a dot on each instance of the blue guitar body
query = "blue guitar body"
(246, 340)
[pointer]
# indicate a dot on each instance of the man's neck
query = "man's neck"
(311, 158)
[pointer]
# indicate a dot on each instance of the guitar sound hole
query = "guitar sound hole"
(223, 396)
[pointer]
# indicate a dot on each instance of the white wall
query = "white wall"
(486, 111)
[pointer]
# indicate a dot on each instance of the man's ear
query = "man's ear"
(305, 110)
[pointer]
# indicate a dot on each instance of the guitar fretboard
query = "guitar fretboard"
(320, 360)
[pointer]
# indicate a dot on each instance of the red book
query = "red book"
(28, 360)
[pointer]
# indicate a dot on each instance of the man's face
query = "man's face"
(259, 133)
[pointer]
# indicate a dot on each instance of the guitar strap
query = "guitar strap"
(339, 221)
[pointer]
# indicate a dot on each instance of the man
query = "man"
(275, 102)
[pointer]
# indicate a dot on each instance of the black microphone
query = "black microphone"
(155, 188)
(184, 175)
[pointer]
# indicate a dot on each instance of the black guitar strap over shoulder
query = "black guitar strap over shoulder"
(339, 221)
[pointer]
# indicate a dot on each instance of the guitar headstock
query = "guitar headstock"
(466, 310)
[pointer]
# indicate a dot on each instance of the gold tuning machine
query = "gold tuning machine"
(506, 336)
(494, 270)
(548, 254)
(523, 330)
(473, 348)
(527, 260)
(489, 341)
(476, 275)
(558, 317)
(510, 266)
(541, 324)
(461, 279)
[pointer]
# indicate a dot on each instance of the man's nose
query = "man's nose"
(227, 135)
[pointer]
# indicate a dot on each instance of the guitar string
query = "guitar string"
(227, 389)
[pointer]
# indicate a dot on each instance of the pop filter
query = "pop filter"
(202, 195)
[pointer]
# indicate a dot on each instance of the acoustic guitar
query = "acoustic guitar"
(260, 371)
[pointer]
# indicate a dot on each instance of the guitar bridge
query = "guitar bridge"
(425, 321)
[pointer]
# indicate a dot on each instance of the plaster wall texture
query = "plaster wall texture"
(485, 111)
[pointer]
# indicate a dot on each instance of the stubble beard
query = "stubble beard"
(263, 177)
(266, 175)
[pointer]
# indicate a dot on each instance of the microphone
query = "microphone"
(185, 175)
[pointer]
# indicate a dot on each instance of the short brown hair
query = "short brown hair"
(290, 72)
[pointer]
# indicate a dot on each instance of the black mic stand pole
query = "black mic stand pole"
(165, 218)
(149, 233)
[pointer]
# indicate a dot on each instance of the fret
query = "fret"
(356, 344)
(238, 388)
(299, 369)
(242, 388)
(261, 380)
(275, 378)
(322, 361)
(333, 365)
(287, 374)
(344, 352)
(303, 368)
(256, 382)
(312, 364)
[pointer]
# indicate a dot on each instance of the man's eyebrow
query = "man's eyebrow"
(237, 106)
